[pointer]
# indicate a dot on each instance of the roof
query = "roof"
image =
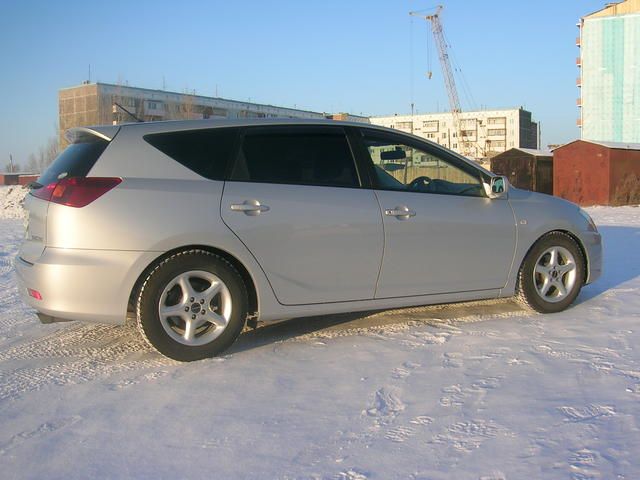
(108, 132)
(448, 112)
(535, 152)
(545, 154)
(194, 95)
(611, 145)
(619, 8)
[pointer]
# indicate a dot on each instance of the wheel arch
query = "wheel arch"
(569, 234)
(237, 264)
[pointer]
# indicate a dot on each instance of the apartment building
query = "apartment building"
(104, 103)
(481, 134)
(609, 80)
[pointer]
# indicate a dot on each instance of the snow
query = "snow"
(479, 390)
(11, 200)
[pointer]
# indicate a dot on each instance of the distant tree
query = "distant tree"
(47, 153)
(8, 168)
(32, 163)
(185, 108)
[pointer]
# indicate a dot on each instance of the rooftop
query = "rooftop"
(204, 97)
(612, 145)
(619, 8)
(448, 112)
(535, 152)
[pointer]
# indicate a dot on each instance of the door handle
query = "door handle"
(249, 207)
(401, 212)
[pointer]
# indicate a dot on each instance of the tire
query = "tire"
(193, 305)
(551, 274)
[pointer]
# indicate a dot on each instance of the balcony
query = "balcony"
(579, 122)
(578, 41)
(579, 62)
(579, 102)
(578, 82)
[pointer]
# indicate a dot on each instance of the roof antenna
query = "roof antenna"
(128, 112)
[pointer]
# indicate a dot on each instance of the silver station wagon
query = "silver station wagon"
(197, 228)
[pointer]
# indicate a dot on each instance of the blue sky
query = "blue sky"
(359, 56)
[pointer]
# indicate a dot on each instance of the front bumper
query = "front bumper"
(592, 242)
(85, 285)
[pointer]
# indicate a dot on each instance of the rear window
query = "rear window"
(206, 152)
(75, 161)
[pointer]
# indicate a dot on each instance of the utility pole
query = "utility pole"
(11, 163)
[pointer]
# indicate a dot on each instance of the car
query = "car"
(198, 228)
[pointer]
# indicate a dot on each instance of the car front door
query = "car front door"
(442, 233)
(294, 198)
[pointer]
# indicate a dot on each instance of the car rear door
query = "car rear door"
(294, 198)
(442, 233)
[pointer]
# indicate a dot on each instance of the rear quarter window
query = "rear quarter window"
(75, 161)
(206, 152)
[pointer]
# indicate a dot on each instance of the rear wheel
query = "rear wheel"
(552, 274)
(193, 305)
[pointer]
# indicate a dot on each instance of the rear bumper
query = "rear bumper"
(85, 285)
(592, 242)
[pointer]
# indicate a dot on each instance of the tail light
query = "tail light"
(76, 192)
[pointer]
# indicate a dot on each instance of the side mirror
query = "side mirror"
(498, 187)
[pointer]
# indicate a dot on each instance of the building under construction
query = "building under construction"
(103, 103)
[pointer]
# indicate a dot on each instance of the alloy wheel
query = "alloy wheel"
(195, 307)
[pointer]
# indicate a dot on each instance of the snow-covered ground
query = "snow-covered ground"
(11, 200)
(472, 391)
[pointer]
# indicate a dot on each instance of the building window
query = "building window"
(405, 125)
(431, 125)
(444, 134)
(496, 121)
(496, 132)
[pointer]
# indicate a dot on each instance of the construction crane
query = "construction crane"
(443, 55)
(447, 72)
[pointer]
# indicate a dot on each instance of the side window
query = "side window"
(302, 157)
(398, 166)
(206, 152)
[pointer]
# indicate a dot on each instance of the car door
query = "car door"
(294, 198)
(442, 233)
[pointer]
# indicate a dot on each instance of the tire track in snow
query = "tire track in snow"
(76, 355)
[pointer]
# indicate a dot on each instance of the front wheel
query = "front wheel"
(193, 305)
(552, 274)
